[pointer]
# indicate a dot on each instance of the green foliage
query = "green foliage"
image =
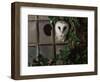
(63, 55)
(74, 52)
(53, 19)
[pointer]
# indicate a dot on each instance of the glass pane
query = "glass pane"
(59, 48)
(45, 56)
(32, 30)
(45, 30)
(32, 52)
(46, 51)
(62, 54)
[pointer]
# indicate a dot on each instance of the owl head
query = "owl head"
(61, 30)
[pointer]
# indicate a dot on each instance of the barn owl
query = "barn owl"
(61, 29)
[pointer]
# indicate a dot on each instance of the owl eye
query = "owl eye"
(59, 27)
(64, 28)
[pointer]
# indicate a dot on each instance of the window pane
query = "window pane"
(45, 30)
(31, 55)
(59, 48)
(44, 57)
(46, 51)
(32, 29)
(62, 53)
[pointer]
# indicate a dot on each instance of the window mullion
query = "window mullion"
(54, 45)
(37, 44)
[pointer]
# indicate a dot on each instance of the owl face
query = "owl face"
(61, 29)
